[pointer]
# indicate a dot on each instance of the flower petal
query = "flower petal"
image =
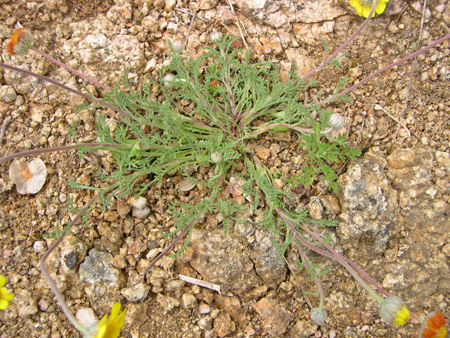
(441, 333)
(8, 297)
(402, 316)
(380, 7)
(2, 280)
(366, 11)
(3, 304)
(436, 321)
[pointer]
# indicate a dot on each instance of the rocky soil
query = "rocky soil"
(393, 204)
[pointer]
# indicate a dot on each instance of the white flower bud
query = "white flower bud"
(318, 315)
(394, 311)
(216, 157)
(336, 121)
(216, 37)
(169, 80)
(177, 46)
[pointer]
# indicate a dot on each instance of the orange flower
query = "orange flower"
(436, 327)
(20, 42)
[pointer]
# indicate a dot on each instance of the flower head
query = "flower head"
(318, 315)
(436, 327)
(216, 37)
(363, 7)
(5, 296)
(177, 46)
(110, 328)
(336, 121)
(21, 41)
(394, 311)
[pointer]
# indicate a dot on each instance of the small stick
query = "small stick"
(201, 283)
(187, 12)
(239, 26)
(378, 107)
(411, 76)
(5, 123)
(171, 245)
(189, 30)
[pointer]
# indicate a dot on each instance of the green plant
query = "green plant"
(204, 114)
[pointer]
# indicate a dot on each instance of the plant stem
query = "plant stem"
(74, 91)
(332, 56)
(172, 244)
(55, 149)
(70, 69)
(287, 125)
(59, 297)
(308, 266)
(338, 259)
(406, 58)
(356, 267)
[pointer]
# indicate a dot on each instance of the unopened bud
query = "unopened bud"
(336, 121)
(177, 46)
(169, 80)
(216, 37)
(318, 315)
(216, 157)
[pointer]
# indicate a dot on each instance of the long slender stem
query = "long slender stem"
(329, 255)
(172, 244)
(406, 58)
(308, 266)
(356, 267)
(55, 149)
(70, 69)
(74, 91)
(59, 297)
(332, 56)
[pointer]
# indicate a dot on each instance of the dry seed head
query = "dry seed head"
(216, 157)
(29, 178)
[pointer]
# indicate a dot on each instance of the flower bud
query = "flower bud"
(216, 37)
(177, 46)
(336, 121)
(21, 41)
(216, 157)
(169, 80)
(394, 311)
(318, 315)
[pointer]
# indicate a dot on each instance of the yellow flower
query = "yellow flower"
(402, 316)
(110, 328)
(5, 296)
(363, 7)
(394, 311)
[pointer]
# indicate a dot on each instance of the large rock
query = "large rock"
(369, 206)
(223, 259)
(97, 269)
